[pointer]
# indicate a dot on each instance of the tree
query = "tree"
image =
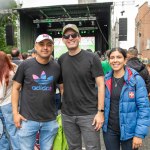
(7, 16)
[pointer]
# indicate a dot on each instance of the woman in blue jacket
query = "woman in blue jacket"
(127, 111)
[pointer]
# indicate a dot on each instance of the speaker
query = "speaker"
(9, 34)
(122, 29)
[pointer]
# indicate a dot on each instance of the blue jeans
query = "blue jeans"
(27, 134)
(9, 125)
(112, 141)
(77, 126)
(4, 142)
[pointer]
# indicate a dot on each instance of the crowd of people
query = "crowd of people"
(110, 94)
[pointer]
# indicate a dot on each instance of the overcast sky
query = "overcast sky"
(36, 3)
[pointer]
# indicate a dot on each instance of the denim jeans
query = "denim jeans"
(4, 142)
(10, 126)
(77, 126)
(27, 134)
(112, 141)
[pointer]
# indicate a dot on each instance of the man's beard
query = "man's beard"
(73, 48)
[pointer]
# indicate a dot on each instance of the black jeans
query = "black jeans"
(112, 141)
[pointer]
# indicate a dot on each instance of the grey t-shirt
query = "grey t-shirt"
(78, 75)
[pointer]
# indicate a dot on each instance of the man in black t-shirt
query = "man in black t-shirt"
(82, 110)
(37, 79)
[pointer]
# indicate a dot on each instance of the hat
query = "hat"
(33, 51)
(70, 26)
(43, 37)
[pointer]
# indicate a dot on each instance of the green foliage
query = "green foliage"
(7, 18)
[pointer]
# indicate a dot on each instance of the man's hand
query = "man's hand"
(137, 142)
(17, 120)
(98, 120)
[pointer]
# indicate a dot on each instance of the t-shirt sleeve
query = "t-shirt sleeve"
(97, 67)
(19, 75)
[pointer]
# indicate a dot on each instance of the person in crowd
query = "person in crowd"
(89, 50)
(135, 63)
(127, 108)
(9, 135)
(37, 79)
(105, 64)
(24, 56)
(33, 53)
(15, 53)
(82, 110)
(148, 68)
(9, 56)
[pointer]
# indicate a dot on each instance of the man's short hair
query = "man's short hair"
(15, 52)
(133, 51)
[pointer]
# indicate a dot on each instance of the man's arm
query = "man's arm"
(15, 102)
(99, 118)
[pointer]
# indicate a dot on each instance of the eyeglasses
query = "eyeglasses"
(67, 36)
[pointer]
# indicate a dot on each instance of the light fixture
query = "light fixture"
(49, 25)
(80, 23)
(63, 24)
(92, 23)
(37, 25)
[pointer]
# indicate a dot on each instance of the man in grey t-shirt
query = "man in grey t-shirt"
(82, 110)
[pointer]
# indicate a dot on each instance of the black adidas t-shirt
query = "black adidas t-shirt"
(78, 74)
(38, 89)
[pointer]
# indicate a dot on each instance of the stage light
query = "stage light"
(37, 25)
(92, 23)
(49, 25)
(63, 24)
(84, 31)
(80, 23)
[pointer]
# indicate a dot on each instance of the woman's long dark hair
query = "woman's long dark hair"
(121, 50)
(5, 67)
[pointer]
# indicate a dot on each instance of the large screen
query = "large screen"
(60, 48)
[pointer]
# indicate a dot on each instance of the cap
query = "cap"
(33, 51)
(70, 26)
(43, 37)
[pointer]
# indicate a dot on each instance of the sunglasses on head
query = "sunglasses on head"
(67, 36)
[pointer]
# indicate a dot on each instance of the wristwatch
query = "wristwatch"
(101, 110)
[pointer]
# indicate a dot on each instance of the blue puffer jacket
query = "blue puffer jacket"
(134, 107)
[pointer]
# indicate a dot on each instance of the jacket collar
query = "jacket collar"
(129, 76)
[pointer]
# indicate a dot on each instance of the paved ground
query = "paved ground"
(146, 143)
(102, 143)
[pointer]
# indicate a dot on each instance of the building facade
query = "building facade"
(142, 31)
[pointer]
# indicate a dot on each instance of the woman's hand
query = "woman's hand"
(137, 142)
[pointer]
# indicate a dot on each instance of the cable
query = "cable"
(102, 32)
